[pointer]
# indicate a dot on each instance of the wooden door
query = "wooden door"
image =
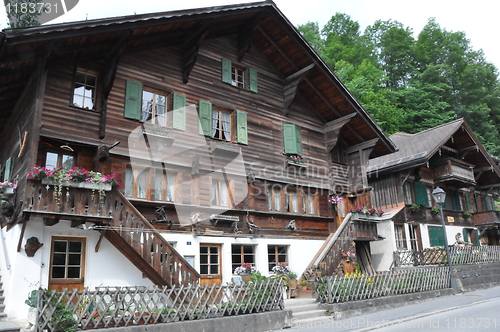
(67, 263)
(210, 264)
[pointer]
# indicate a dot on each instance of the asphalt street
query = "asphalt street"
(472, 311)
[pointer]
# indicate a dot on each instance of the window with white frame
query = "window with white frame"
(291, 201)
(155, 107)
(222, 124)
(242, 253)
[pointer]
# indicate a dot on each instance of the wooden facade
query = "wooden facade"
(180, 56)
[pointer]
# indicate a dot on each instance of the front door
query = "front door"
(210, 264)
(67, 263)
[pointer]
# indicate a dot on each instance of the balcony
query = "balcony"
(486, 218)
(364, 229)
(454, 170)
(425, 215)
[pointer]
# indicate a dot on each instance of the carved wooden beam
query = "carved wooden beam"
(190, 50)
(107, 78)
(98, 244)
(332, 130)
(291, 83)
(245, 34)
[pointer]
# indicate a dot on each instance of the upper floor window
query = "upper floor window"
(292, 144)
(85, 90)
(154, 107)
(55, 160)
(220, 193)
(291, 204)
(308, 203)
(236, 76)
(157, 107)
(150, 184)
(223, 124)
(274, 198)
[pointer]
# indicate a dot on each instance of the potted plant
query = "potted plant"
(435, 209)
(7, 188)
(467, 214)
(245, 271)
(414, 207)
(322, 265)
(303, 283)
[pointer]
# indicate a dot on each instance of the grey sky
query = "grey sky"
(478, 19)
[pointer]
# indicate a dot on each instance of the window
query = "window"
(408, 191)
(150, 184)
(160, 108)
(291, 140)
(274, 198)
(8, 169)
(308, 203)
(242, 253)
(436, 236)
(400, 236)
(154, 107)
(85, 90)
(420, 191)
(291, 204)
(221, 124)
(235, 76)
(55, 160)
(67, 258)
(209, 259)
(220, 193)
(276, 254)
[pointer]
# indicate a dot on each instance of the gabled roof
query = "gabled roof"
(417, 149)
(259, 25)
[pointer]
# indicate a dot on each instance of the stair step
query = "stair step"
(2, 307)
(305, 307)
(9, 327)
(309, 314)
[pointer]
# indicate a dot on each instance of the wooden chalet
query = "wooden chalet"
(449, 156)
(227, 130)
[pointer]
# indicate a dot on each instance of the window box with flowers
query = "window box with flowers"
(365, 213)
(75, 177)
(435, 209)
(7, 189)
(295, 160)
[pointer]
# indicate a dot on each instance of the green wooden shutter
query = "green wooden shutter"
(455, 200)
(420, 191)
(436, 236)
(467, 201)
(485, 204)
(179, 112)
(205, 115)
(290, 139)
(133, 100)
(465, 235)
(478, 242)
(8, 167)
(298, 141)
(242, 130)
(226, 71)
(252, 73)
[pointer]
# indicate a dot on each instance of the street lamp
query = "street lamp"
(439, 196)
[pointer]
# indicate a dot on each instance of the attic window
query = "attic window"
(85, 90)
(243, 78)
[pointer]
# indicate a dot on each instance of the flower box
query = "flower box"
(83, 185)
(225, 148)
(362, 216)
(290, 162)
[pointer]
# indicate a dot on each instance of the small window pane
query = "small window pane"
(214, 269)
(51, 160)
(58, 272)
(141, 184)
(75, 246)
(74, 259)
(73, 272)
(59, 259)
(129, 182)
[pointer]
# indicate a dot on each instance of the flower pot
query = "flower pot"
(304, 288)
(292, 283)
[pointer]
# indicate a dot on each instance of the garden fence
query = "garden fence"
(437, 256)
(130, 306)
(361, 287)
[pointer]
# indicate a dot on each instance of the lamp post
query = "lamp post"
(439, 196)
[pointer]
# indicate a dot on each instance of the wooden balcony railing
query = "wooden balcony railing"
(425, 215)
(119, 222)
(364, 230)
(454, 169)
(486, 217)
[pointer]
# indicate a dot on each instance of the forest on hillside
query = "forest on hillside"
(411, 83)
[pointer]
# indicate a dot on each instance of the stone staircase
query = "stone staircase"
(306, 312)
(5, 326)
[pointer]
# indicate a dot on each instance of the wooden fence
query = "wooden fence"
(131, 306)
(459, 256)
(361, 287)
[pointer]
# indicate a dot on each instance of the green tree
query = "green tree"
(22, 17)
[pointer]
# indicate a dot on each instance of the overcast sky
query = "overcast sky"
(478, 19)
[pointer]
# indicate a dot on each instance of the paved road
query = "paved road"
(473, 311)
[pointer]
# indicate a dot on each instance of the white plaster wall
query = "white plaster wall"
(300, 252)
(382, 251)
(107, 267)
(451, 231)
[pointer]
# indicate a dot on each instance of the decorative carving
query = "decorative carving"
(32, 246)
(161, 216)
(291, 225)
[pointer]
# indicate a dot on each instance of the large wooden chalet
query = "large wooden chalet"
(227, 130)
(449, 156)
